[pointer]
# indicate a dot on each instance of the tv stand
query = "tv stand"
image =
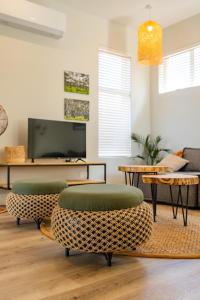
(86, 165)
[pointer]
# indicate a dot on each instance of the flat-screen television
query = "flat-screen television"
(56, 139)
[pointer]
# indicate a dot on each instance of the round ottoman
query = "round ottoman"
(34, 199)
(101, 218)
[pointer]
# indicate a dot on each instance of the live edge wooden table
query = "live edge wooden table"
(131, 170)
(179, 180)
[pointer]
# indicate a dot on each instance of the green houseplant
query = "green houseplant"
(150, 148)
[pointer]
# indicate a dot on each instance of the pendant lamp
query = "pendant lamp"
(150, 42)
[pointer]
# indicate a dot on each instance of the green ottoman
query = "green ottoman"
(34, 199)
(101, 218)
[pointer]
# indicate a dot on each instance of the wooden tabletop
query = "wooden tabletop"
(143, 169)
(171, 179)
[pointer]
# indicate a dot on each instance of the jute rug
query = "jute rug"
(169, 239)
(2, 210)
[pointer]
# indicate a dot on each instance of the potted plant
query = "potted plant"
(150, 148)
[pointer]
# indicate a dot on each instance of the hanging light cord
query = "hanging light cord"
(149, 7)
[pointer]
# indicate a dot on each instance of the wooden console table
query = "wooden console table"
(87, 165)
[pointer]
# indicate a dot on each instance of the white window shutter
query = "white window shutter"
(114, 105)
(180, 70)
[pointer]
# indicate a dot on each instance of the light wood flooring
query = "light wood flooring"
(33, 267)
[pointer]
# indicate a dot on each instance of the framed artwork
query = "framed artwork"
(76, 110)
(76, 83)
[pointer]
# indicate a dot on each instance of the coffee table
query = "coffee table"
(173, 179)
(139, 170)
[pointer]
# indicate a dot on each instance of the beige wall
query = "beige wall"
(175, 115)
(31, 80)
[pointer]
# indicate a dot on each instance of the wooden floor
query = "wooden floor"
(33, 267)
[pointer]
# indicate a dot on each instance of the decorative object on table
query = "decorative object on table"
(3, 120)
(173, 162)
(76, 82)
(14, 154)
(150, 42)
(151, 150)
(76, 110)
(168, 238)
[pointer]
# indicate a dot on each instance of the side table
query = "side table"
(173, 179)
(131, 170)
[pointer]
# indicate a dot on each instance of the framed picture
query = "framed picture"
(76, 110)
(76, 83)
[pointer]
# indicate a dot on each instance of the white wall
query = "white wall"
(31, 81)
(141, 97)
(175, 115)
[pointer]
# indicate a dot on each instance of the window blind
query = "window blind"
(180, 70)
(114, 104)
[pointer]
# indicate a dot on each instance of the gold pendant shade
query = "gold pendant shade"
(150, 44)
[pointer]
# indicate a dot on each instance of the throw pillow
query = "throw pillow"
(179, 153)
(173, 162)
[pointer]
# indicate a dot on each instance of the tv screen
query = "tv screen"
(56, 139)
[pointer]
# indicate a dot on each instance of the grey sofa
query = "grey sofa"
(193, 168)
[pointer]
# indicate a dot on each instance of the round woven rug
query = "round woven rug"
(2, 210)
(169, 239)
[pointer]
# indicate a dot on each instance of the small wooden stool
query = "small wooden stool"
(173, 179)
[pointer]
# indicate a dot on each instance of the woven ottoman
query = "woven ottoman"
(101, 218)
(33, 199)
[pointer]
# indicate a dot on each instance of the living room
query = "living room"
(47, 44)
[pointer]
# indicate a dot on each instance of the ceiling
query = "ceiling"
(132, 12)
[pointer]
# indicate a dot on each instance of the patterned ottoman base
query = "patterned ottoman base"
(36, 207)
(102, 231)
(34, 199)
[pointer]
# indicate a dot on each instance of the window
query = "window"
(114, 104)
(180, 70)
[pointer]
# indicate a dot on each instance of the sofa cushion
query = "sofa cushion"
(38, 187)
(193, 156)
(173, 162)
(100, 197)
